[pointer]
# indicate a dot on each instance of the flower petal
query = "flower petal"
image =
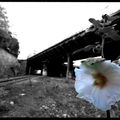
(101, 98)
(110, 70)
(85, 93)
(114, 92)
(106, 67)
(83, 78)
(104, 98)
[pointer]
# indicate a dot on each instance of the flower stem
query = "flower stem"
(102, 52)
(108, 113)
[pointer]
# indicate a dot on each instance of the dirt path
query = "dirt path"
(47, 97)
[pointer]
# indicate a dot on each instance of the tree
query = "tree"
(4, 39)
(3, 19)
(105, 29)
(14, 47)
(7, 41)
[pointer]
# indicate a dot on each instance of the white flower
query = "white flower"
(99, 83)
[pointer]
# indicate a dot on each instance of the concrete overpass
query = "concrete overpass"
(79, 46)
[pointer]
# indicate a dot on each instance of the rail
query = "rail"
(5, 81)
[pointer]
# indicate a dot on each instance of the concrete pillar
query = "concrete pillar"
(29, 70)
(44, 70)
(69, 73)
(28, 67)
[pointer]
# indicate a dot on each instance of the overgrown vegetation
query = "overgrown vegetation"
(7, 41)
(108, 30)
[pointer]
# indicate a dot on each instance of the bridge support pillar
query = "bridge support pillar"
(28, 68)
(69, 73)
(44, 70)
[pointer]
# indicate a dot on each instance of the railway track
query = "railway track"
(10, 80)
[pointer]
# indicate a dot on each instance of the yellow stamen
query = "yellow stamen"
(100, 80)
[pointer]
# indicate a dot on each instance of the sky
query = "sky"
(40, 25)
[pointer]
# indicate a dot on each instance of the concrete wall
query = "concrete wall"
(9, 65)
